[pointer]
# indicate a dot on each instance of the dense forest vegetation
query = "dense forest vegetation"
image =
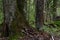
(29, 19)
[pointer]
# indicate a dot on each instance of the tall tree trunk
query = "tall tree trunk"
(9, 10)
(39, 13)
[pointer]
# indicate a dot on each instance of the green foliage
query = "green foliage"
(50, 6)
(57, 23)
(52, 30)
(16, 36)
(1, 17)
(31, 12)
(1, 12)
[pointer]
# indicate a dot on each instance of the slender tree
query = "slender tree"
(39, 13)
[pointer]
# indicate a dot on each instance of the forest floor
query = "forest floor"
(40, 36)
(31, 34)
(36, 36)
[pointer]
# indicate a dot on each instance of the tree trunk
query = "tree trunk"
(39, 13)
(9, 10)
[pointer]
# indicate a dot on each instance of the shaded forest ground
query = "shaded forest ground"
(33, 36)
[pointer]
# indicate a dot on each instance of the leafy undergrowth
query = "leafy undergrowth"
(33, 35)
(57, 23)
(37, 36)
(45, 34)
(30, 34)
(53, 29)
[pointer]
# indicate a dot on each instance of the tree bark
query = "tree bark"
(9, 10)
(39, 13)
